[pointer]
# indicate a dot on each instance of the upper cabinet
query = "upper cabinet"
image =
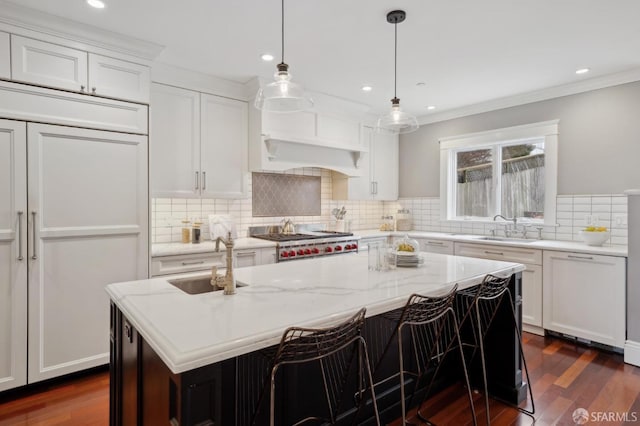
(198, 144)
(380, 170)
(118, 79)
(5, 56)
(47, 64)
(223, 147)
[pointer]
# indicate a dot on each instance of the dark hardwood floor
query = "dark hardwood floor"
(565, 376)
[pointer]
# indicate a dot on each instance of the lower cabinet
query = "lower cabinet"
(584, 296)
(178, 264)
(532, 307)
(436, 246)
(253, 257)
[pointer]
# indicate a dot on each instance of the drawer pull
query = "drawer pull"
(246, 253)
(494, 252)
(435, 243)
(196, 262)
(528, 271)
(571, 256)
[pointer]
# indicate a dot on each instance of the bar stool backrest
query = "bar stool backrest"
(421, 309)
(300, 344)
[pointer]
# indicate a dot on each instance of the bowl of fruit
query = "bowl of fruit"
(595, 235)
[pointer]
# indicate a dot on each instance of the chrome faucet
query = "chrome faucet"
(226, 281)
(508, 231)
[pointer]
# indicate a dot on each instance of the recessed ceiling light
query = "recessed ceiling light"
(267, 57)
(431, 107)
(367, 88)
(421, 83)
(98, 4)
(582, 71)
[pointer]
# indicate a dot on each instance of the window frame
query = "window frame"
(546, 131)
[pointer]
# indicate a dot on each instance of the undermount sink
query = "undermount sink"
(506, 240)
(197, 285)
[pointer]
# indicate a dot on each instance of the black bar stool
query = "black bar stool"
(434, 332)
(336, 349)
(479, 305)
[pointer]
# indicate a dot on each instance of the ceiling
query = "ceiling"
(464, 51)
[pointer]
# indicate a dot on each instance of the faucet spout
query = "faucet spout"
(227, 282)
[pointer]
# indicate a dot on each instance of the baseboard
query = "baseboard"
(533, 329)
(632, 353)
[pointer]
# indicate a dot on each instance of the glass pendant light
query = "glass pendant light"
(396, 120)
(282, 95)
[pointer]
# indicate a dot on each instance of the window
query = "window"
(509, 171)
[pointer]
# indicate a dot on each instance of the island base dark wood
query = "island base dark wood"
(143, 391)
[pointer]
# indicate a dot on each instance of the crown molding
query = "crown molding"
(595, 83)
(194, 80)
(28, 22)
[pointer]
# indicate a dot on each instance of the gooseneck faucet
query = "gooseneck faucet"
(508, 232)
(226, 281)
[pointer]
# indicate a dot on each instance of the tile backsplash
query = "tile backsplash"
(168, 213)
(574, 212)
(277, 194)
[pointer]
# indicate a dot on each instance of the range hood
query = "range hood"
(284, 153)
(306, 139)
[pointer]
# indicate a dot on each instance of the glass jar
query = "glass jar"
(407, 245)
(195, 233)
(186, 232)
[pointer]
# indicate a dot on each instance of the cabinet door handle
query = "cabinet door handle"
(204, 180)
(197, 180)
(20, 257)
(197, 262)
(572, 256)
(33, 234)
(246, 253)
(375, 185)
(371, 188)
(493, 252)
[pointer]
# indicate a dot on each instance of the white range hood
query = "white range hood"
(332, 141)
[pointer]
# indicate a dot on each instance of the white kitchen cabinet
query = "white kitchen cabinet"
(178, 264)
(253, 257)
(584, 296)
(199, 144)
(436, 246)
(88, 227)
(174, 153)
(380, 170)
(115, 78)
(13, 255)
(5, 55)
(48, 64)
(224, 162)
(363, 244)
(61, 67)
(532, 291)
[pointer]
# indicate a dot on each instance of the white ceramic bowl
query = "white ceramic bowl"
(594, 238)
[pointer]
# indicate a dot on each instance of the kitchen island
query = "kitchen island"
(187, 358)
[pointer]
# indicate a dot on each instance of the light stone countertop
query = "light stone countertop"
(169, 249)
(190, 331)
(569, 246)
(172, 249)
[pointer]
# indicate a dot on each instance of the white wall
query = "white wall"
(598, 148)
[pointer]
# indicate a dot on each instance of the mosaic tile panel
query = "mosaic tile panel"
(285, 195)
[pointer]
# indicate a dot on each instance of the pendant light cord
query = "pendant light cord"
(395, 61)
(282, 32)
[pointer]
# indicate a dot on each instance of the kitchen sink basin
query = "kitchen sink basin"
(506, 240)
(197, 285)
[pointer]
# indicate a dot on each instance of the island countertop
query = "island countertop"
(191, 331)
